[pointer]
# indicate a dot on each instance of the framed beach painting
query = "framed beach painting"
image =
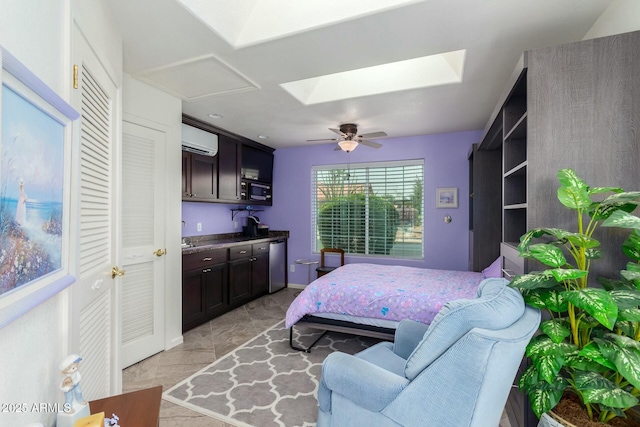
(36, 133)
(447, 197)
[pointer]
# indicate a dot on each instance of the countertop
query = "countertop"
(221, 241)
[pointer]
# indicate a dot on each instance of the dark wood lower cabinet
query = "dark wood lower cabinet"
(219, 280)
(239, 281)
(204, 294)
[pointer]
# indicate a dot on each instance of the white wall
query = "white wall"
(148, 106)
(37, 33)
(622, 16)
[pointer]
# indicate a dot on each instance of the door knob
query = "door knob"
(160, 252)
(115, 271)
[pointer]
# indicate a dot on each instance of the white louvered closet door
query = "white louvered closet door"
(95, 328)
(143, 245)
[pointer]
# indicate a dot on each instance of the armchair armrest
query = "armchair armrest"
(362, 382)
(408, 336)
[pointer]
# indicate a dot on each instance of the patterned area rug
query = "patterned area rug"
(265, 383)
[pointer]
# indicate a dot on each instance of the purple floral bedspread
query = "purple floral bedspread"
(384, 291)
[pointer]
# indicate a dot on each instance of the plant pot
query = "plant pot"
(551, 419)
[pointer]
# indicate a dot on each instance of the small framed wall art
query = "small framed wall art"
(447, 197)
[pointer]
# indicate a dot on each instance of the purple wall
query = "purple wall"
(446, 165)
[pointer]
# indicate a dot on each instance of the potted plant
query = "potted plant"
(588, 344)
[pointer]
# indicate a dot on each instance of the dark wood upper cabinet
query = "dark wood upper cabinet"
(228, 169)
(204, 177)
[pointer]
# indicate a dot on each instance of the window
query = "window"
(369, 208)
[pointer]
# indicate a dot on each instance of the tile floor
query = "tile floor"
(202, 346)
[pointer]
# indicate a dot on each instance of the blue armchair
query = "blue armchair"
(456, 372)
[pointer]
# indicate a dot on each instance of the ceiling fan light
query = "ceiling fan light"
(348, 145)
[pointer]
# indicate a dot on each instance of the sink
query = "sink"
(187, 245)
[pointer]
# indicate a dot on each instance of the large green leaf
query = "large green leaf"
(628, 315)
(600, 190)
(622, 198)
(592, 352)
(597, 302)
(632, 276)
(542, 345)
(529, 378)
(525, 239)
(556, 330)
(581, 363)
(534, 280)
(586, 380)
(614, 284)
(548, 366)
(614, 397)
(582, 240)
(548, 254)
(574, 197)
(626, 298)
(600, 212)
(623, 220)
(544, 396)
(561, 274)
(554, 300)
(625, 327)
(631, 246)
(569, 178)
(624, 352)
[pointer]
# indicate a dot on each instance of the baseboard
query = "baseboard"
(296, 286)
(175, 342)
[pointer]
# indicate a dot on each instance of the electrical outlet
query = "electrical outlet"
(199, 226)
(235, 225)
(292, 268)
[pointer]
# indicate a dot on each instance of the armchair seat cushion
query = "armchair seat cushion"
(382, 355)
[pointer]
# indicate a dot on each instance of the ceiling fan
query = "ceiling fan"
(349, 138)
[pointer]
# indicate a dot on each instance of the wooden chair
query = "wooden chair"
(323, 269)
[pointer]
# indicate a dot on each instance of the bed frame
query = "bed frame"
(342, 326)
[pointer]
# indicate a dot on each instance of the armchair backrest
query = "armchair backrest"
(497, 306)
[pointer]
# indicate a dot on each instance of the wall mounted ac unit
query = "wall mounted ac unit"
(199, 141)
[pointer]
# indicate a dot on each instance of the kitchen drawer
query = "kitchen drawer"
(239, 252)
(260, 248)
(204, 259)
(512, 263)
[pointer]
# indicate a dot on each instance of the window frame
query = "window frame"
(365, 169)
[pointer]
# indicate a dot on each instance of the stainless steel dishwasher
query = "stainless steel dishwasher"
(277, 265)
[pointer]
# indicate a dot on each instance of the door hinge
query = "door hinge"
(75, 77)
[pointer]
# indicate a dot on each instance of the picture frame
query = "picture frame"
(37, 128)
(447, 197)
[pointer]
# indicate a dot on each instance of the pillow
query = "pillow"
(495, 269)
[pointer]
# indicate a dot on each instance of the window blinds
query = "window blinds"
(369, 208)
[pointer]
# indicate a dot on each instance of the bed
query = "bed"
(371, 299)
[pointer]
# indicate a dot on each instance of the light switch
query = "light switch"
(199, 226)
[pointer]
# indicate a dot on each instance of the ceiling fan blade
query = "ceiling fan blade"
(370, 143)
(337, 131)
(325, 139)
(337, 148)
(373, 135)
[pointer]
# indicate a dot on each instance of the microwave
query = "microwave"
(255, 191)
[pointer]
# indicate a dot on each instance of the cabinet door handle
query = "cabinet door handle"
(262, 249)
(206, 270)
(242, 252)
(207, 259)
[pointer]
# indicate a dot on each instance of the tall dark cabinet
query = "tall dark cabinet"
(570, 106)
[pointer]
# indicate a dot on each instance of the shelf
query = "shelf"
(234, 212)
(516, 206)
(519, 130)
(520, 169)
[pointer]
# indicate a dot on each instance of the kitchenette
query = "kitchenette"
(222, 271)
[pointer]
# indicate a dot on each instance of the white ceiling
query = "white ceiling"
(239, 58)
